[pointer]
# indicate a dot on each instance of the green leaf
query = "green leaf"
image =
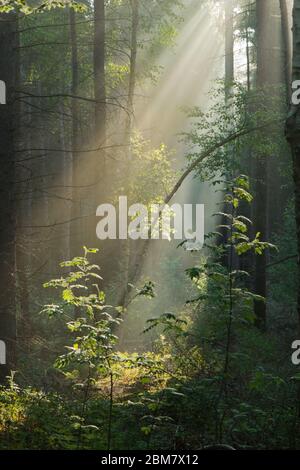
(68, 296)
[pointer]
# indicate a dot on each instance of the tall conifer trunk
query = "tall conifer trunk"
(293, 132)
(99, 82)
(75, 227)
(9, 74)
(261, 174)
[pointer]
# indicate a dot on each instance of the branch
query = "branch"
(208, 152)
(74, 97)
(287, 258)
(245, 131)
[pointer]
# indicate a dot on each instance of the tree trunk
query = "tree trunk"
(293, 132)
(8, 73)
(127, 252)
(98, 169)
(229, 45)
(286, 30)
(75, 232)
(132, 65)
(99, 76)
(261, 174)
(229, 78)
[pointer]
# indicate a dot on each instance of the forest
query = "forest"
(150, 225)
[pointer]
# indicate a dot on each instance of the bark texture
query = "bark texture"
(8, 73)
(293, 132)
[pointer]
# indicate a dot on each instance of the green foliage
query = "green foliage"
(224, 317)
(152, 174)
(214, 280)
(211, 375)
(94, 341)
(283, 278)
(31, 6)
(211, 127)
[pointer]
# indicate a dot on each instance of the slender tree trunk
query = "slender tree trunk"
(23, 297)
(261, 174)
(248, 60)
(286, 37)
(132, 73)
(293, 132)
(128, 130)
(8, 73)
(247, 261)
(229, 78)
(75, 225)
(229, 47)
(22, 257)
(99, 78)
(99, 174)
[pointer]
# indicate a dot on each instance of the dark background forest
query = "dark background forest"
(148, 344)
